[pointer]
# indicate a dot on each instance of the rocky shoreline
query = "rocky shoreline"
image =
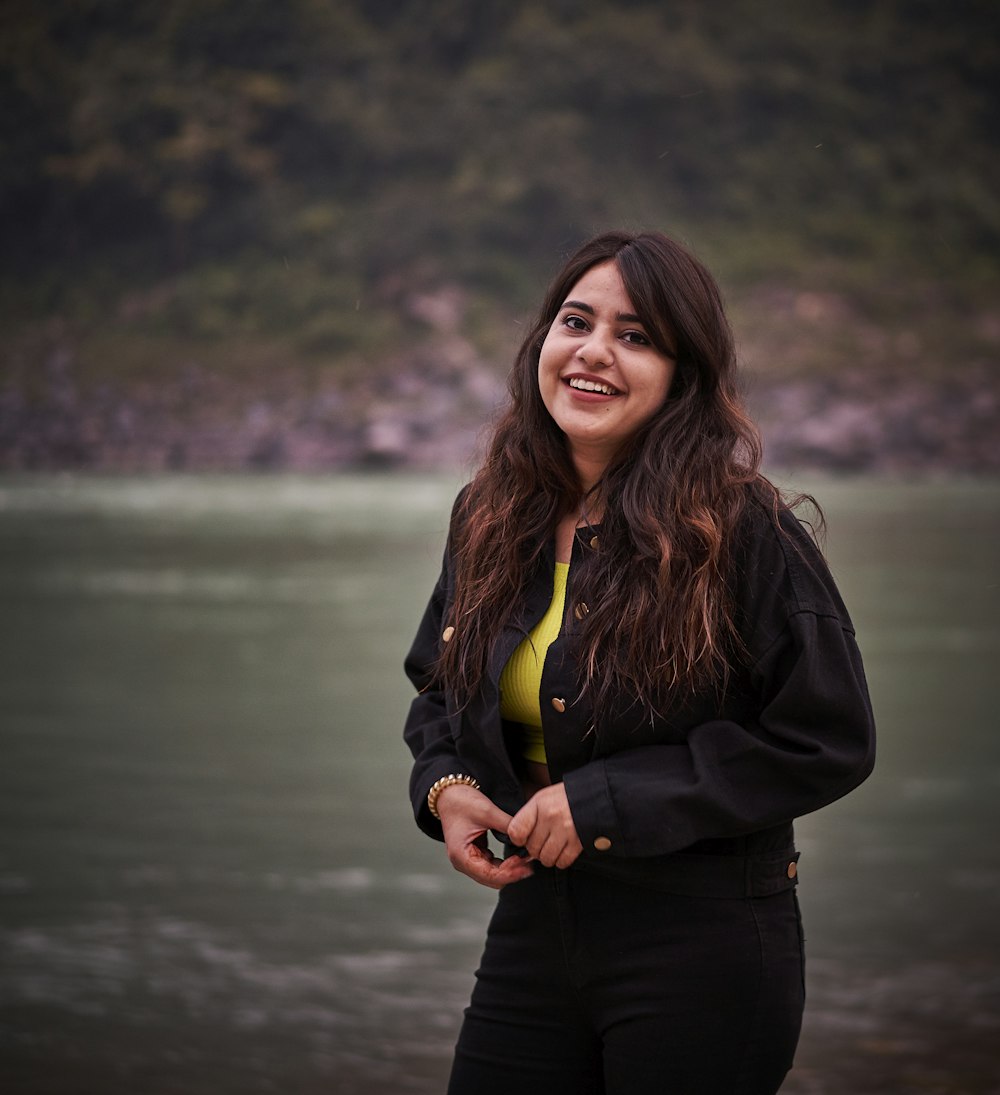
(886, 423)
(427, 411)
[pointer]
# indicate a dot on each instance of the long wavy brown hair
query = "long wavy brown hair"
(660, 625)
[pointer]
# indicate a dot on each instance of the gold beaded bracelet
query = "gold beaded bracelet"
(447, 781)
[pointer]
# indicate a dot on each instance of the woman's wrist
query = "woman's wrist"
(453, 780)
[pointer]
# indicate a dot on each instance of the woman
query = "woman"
(635, 670)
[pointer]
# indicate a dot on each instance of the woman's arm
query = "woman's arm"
(466, 814)
(812, 743)
(427, 731)
(810, 740)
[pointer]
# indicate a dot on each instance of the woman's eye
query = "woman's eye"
(636, 338)
(575, 323)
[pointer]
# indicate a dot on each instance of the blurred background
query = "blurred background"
(304, 235)
(263, 269)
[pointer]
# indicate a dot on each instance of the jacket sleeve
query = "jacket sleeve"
(808, 740)
(428, 730)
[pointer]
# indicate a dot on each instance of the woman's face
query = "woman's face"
(599, 374)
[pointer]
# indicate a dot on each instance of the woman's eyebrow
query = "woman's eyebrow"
(621, 317)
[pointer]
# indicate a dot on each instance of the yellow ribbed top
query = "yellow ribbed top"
(521, 680)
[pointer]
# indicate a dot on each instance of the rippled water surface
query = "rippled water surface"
(209, 879)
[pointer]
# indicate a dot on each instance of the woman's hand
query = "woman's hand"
(544, 826)
(466, 817)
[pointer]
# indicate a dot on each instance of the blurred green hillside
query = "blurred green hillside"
(254, 183)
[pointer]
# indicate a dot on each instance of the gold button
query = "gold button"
(447, 634)
(558, 704)
(792, 870)
(602, 844)
(593, 542)
(581, 610)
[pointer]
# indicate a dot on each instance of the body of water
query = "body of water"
(210, 882)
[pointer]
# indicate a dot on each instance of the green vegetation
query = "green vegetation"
(226, 172)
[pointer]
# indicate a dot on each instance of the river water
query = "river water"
(209, 879)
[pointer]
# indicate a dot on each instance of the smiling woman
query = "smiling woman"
(635, 670)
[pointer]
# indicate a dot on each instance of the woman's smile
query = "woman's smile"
(587, 387)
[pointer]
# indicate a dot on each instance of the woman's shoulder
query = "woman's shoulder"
(459, 509)
(461, 499)
(766, 518)
(776, 555)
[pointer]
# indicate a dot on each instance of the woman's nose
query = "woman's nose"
(598, 349)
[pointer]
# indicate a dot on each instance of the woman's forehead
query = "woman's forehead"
(601, 284)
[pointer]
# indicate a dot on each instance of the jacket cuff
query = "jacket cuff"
(593, 810)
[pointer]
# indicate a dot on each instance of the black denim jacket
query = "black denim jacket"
(724, 774)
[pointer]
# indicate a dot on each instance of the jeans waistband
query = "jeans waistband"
(693, 875)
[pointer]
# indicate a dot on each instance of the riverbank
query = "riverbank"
(426, 409)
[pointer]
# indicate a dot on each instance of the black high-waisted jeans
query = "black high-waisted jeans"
(590, 985)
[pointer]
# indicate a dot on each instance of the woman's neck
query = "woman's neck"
(589, 470)
(588, 513)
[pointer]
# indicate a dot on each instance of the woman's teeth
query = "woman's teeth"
(591, 386)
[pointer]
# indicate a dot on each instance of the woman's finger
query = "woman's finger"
(521, 826)
(485, 868)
